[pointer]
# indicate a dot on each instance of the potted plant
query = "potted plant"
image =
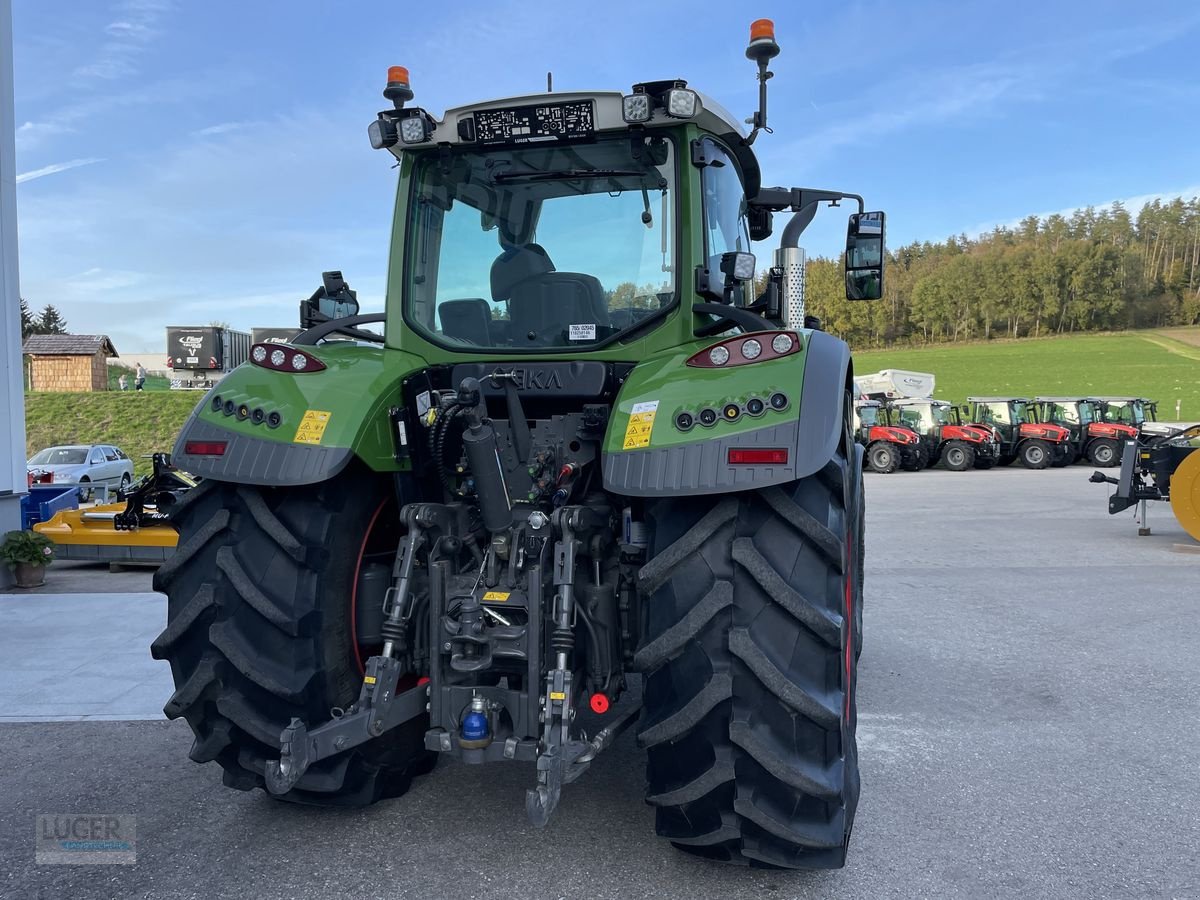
(27, 553)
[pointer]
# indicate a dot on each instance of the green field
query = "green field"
(1148, 364)
(138, 423)
(1144, 364)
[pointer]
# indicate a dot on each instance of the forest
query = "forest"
(1099, 270)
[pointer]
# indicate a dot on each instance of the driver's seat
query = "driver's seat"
(543, 303)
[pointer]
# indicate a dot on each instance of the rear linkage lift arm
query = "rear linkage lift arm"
(379, 707)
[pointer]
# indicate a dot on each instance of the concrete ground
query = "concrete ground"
(1030, 709)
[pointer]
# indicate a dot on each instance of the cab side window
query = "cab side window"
(725, 227)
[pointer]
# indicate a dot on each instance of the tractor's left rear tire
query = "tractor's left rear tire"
(751, 658)
(1104, 453)
(260, 630)
(957, 456)
(883, 457)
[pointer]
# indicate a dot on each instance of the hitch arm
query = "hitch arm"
(378, 709)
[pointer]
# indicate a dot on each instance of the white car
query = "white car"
(85, 463)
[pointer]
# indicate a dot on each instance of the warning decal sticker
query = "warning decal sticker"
(641, 425)
(312, 427)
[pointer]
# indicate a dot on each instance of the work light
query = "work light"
(636, 108)
(414, 130)
(682, 103)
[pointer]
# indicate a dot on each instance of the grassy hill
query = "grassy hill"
(1164, 366)
(138, 423)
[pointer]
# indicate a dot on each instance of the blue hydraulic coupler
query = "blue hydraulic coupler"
(475, 732)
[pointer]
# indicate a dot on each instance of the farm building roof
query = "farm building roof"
(68, 345)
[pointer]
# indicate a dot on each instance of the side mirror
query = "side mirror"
(865, 256)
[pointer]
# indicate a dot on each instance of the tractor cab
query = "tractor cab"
(1133, 411)
(1013, 422)
(1090, 435)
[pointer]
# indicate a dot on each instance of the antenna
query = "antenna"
(549, 82)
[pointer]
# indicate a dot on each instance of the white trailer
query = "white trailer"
(895, 384)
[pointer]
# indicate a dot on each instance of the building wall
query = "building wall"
(12, 397)
(69, 373)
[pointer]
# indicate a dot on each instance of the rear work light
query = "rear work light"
(204, 448)
(755, 456)
(283, 358)
(758, 346)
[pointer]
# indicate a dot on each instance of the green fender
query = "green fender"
(649, 452)
(326, 419)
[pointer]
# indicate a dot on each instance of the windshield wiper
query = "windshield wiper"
(567, 175)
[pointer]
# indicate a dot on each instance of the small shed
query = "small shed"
(68, 362)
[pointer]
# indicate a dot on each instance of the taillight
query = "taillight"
(758, 456)
(204, 448)
(283, 358)
(747, 348)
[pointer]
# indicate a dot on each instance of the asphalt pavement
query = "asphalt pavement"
(1030, 711)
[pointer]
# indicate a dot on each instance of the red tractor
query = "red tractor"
(1013, 422)
(948, 441)
(887, 446)
(1090, 436)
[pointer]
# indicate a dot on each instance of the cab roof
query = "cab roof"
(607, 120)
(997, 399)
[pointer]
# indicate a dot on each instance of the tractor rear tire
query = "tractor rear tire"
(1036, 454)
(1104, 453)
(260, 629)
(957, 456)
(751, 660)
(883, 457)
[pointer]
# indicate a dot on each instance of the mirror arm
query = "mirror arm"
(795, 199)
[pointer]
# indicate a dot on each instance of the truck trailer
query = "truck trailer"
(199, 356)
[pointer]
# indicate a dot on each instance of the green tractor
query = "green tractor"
(579, 449)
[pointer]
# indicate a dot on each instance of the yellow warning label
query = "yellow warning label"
(557, 695)
(370, 679)
(496, 597)
(312, 427)
(641, 425)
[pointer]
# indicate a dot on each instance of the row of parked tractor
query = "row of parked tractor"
(901, 426)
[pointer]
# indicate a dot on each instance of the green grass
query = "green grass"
(137, 423)
(1143, 364)
(1164, 366)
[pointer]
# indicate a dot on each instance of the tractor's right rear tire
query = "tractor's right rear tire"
(1104, 453)
(751, 657)
(1036, 454)
(957, 456)
(260, 629)
(882, 457)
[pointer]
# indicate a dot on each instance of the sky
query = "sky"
(183, 161)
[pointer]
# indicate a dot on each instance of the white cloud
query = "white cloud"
(221, 128)
(129, 37)
(55, 168)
